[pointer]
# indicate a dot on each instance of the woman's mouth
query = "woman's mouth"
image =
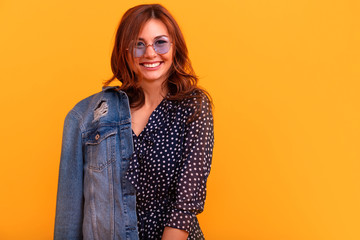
(151, 66)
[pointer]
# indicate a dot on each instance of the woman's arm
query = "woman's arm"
(174, 234)
(194, 169)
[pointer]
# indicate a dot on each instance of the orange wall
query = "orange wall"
(284, 76)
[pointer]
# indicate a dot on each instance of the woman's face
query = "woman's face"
(151, 65)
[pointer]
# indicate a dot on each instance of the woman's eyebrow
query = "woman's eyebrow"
(154, 37)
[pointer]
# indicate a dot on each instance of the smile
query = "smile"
(151, 65)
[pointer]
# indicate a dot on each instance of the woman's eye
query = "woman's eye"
(161, 42)
(140, 44)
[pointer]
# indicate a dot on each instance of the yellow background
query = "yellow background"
(284, 76)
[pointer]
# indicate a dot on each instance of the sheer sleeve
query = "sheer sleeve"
(194, 169)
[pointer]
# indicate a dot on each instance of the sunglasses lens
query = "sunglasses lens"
(162, 45)
(139, 49)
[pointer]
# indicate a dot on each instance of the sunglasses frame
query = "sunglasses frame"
(152, 45)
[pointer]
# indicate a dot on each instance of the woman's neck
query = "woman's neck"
(154, 93)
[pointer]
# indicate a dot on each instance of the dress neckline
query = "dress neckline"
(150, 117)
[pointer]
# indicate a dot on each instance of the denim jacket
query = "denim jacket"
(94, 199)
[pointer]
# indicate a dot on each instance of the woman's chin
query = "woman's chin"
(153, 78)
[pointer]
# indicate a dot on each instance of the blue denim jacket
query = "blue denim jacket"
(94, 199)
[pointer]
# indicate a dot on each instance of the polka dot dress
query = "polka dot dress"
(170, 166)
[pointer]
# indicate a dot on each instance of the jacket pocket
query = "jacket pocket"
(100, 148)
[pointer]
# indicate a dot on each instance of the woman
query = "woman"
(146, 179)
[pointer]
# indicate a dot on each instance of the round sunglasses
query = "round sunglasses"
(160, 45)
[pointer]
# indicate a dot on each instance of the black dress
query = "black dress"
(170, 167)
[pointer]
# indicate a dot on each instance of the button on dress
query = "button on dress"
(170, 166)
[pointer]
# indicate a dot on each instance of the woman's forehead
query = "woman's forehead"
(153, 28)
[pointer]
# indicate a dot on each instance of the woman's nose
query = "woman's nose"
(149, 51)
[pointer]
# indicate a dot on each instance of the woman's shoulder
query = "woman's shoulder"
(196, 104)
(108, 95)
(196, 97)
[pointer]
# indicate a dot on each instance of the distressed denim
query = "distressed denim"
(94, 199)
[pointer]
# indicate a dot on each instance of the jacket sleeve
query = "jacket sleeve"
(194, 170)
(69, 204)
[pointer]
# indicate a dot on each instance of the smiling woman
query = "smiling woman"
(136, 158)
(153, 60)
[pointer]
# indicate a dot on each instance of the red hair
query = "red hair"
(181, 80)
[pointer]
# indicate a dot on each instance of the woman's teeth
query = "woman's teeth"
(151, 65)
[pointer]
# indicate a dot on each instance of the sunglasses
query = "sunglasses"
(161, 46)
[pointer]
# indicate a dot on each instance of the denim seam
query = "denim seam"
(113, 124)
(92, 214)
(111, 155)
(78, 116)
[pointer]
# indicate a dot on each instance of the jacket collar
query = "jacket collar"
(107, 88)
